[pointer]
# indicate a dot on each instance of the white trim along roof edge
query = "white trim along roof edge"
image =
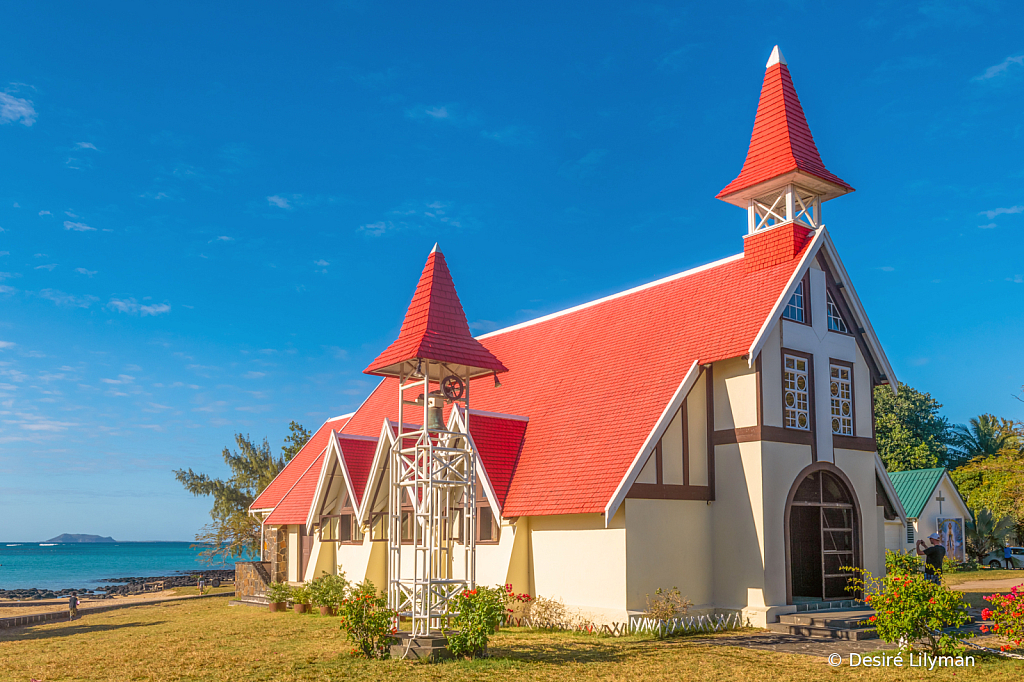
(652, 438)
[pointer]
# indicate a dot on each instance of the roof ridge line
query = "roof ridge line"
(610, 297)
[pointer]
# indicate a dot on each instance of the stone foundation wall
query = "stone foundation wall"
(277, 552)
(251, 578)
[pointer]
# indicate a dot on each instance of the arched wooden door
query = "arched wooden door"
(823, 524)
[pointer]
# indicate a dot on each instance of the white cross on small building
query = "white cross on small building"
(940, 499)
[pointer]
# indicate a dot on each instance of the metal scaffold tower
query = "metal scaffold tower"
(432, 479)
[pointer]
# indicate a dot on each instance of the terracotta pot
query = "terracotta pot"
(326, 610)
(300, 608)
(276, 606)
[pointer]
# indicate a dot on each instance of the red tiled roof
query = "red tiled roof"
(279, 487)
(782, 140)
(358, 455)
(595, 379)
(499, 440)
(435, 327)
(294, 506)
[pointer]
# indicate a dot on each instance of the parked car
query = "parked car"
(995, 558)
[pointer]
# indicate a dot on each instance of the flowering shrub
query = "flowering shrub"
(367, 620)
(667, 604)
(516, 604)
(901, 562)
(909, 607)
(328, 590)
(479, 612)
(1007, 617)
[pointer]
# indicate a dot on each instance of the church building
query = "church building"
(736, 461)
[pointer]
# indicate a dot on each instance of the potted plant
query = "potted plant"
(328, 591)
(278, 595)
(301, 597)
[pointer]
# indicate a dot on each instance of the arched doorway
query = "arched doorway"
(823, 535)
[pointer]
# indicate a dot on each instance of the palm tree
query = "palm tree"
(986, 533)
(987, 435)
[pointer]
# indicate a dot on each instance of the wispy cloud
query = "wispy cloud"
(376, 229)
(78, 227)
(584, 167)
(279, 201)
(509, 135)
(87, 273)
(254, 375)
(132, 307)
(70, 300)
(1001, 211)
(987, 227)
(16, 110)
(45, 213)
(120, 380)
(221, 239)
(1001, 68)
(4, 345)
(85, 145)
(48, 266)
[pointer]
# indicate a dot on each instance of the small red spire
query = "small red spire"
(781, 143)
(435, 328)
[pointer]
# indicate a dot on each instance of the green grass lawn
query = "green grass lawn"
(954, 579)
(208, 640)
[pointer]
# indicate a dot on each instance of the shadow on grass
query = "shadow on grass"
(32, 632)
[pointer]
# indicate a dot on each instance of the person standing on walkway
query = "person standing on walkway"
(933, 557)
(1008, 556)
(73, 606)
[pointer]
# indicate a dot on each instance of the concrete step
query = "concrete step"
(838, 618)
(822, 632)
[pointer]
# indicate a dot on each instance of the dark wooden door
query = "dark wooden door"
(307, 549)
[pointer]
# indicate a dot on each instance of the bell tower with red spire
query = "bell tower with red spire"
(434, 359)
(783, 182)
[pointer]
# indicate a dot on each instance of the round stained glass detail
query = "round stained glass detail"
(835, 388)
(846, 409)
(790, 400)
(801, 383)
(835, 424)
(802, 420)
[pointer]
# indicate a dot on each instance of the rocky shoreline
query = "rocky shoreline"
(124, 586)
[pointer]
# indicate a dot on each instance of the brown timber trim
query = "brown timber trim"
(844, 309)
(810, 403)
(709, 387)
(774, 434)
(807, 296)
(760, 396)
(327, 488)
(658, 476)
(685, 416)
(854, 443)
(649, 491)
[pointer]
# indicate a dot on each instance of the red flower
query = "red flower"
(984, 628)
(873, 619)
(986, 614)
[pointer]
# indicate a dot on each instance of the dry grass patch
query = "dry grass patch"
(207, 640)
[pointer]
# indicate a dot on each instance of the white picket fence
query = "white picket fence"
(685, 625)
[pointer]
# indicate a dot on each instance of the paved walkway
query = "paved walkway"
(795, 644)
(1001, 585)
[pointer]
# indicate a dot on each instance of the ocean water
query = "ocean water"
(84, 565)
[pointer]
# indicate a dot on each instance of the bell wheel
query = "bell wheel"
(452, 387)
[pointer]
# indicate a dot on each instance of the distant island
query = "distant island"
(71, 537)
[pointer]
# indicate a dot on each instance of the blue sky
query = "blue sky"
(214, 217)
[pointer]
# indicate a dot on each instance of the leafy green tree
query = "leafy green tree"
(233, 531)
(987, 435)
(986, 532)
(995, 482)
(910, 432)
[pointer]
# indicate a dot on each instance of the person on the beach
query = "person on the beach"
(73, 606)
(933, 557)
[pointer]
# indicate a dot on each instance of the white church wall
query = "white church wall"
(735, 392)
(576, 559)
(781, 464)
(669, 543)
(859, 467)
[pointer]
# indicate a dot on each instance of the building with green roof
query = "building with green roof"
(933, 505)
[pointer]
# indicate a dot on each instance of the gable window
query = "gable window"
(341, 528)
(487, 525)
(842, 400)
(794, 310)
(835, 319)
(910, 532)
(795, 380)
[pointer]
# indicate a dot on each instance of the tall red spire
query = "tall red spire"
(435, 328)
(782, 149)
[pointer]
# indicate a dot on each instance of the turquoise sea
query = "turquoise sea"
(83, 565)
